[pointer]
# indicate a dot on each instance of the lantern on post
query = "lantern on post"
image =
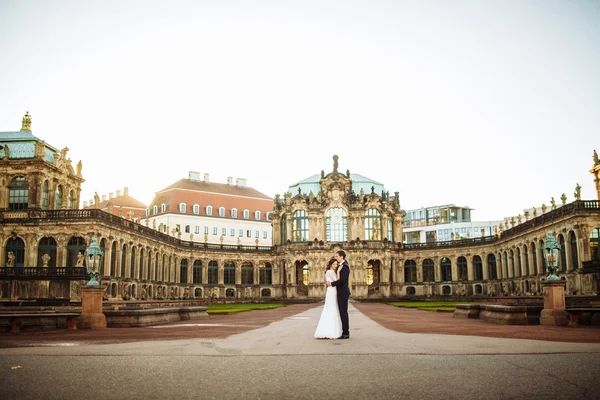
(552, 250)
(93, 260)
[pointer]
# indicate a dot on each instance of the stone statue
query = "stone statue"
(577, 193)
(347, 173)
(595, 157)
(526, 215)
(563, 198)
(205, 238)
(121, 211)
(335, 163)
(534, 212)
(78, 170)
(45, 260)
(80, 258)
(519, 218)
(6, 155)
(322, 173)
(96, 199)
(154, 224)
(553, 204)
(482, 232)
(512, 222)
(11, 259)
(276, 200)
(544, 207)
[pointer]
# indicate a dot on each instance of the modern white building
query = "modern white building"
(198, 210)
(444, 223)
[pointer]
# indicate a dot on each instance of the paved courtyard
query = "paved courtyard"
(271, 354)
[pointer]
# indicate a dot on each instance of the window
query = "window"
(300, 226)
(241, 233)
(410, 271)
(58, 198)
(233, 213)
(187, 229)
(183, 268)
(283, 229)
(492, 271)
(265, 276)
(18, 194)
(213, 273)
(71, 200)
(45, 195)
(257, 234)
(223, 231)
(247, 274)
(446, 265)
(246, 214)
(221, 211)
(478, 268)
(428, 270)
(215, 231)
(229, 273)
(197, 272)
(196, 209)
(177, 228)
(232, 232)
(182, 207)
(197, 230)
(372, 225)
(256, 214)
(264, 234)
(206, 230)
(248, 233)
(461, 264)
(208, 210)
(268, 216)
(163, 208)
(336, 225)
(155, 210)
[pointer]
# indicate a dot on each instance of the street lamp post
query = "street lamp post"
(92, 316)
(554, 312)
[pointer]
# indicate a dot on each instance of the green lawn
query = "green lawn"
(442, 306)
(235, 308)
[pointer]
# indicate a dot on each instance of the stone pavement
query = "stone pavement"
(278, 358)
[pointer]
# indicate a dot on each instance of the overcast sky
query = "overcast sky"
(493, 105)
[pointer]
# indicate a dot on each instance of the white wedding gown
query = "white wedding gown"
(330, 324)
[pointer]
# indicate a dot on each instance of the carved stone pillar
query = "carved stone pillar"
(485, 267)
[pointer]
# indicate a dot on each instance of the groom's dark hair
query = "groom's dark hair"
(342, 253)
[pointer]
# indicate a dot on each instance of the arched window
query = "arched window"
(208, 210)
(196, 209)
(70, 201)
(477, 268)
(246, 214)
(229, 292)
(58, 198)
(543, 256)
(123, 261)
(461, 264)
(47, 245)
(563, 254)
(45, 195)
(283, 229)
(16, 247)
(221, 211)
(594, 247)
(75, 246)
(534, 258)
(428, 270)
(155, 210)
(300, 226)
(18, 194)
(526, 257)
(183, 268)
(229, 273)
(492, 271)
(132, 271)
(446, 266)
(247, 273)
(234, 213)
(197, 272)
(574, 252)
(372, 224)
(410, 271)
(268, 216)
(519, 266)
(213, 273)
(182, 207)
(163, 208)
(265, 272)
(113, 260)
(336, 223)
(257, 215)
(512, 263)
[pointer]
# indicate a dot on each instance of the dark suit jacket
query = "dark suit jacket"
(343, 291)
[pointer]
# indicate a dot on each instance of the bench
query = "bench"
(16, 319)
(581, 315)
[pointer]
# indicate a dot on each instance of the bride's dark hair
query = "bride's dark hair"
(331, 261)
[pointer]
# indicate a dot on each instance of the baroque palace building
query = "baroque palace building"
(44, 234)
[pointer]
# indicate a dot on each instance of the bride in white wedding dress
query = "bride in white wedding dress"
(330, 324)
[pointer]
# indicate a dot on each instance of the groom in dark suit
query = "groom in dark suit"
(343, 291)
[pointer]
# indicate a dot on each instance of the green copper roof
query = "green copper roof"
(21, 145)
(313, 184)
